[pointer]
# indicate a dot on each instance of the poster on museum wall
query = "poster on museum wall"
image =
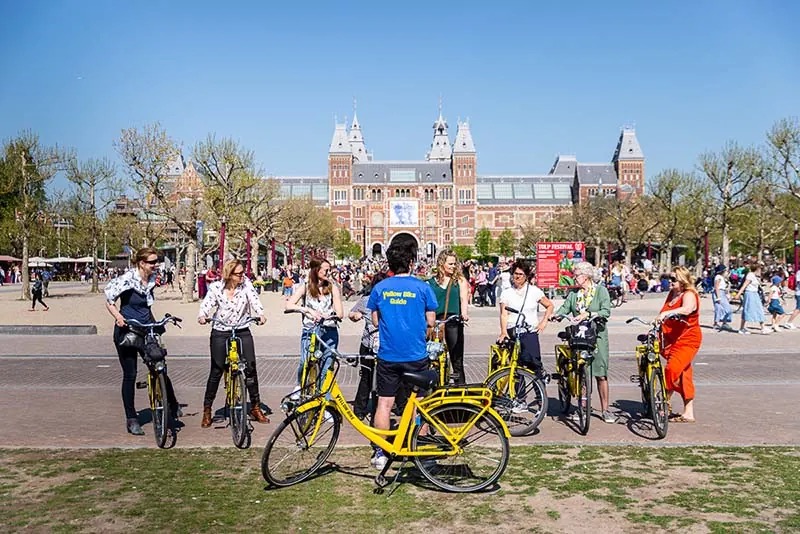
(403, 213)
(554, 263)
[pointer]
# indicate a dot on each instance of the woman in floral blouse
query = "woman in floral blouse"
(231, 300)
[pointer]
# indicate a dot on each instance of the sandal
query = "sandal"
(682, 419)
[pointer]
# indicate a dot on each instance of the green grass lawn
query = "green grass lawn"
(545, 489)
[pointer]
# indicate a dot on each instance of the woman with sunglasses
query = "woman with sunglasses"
(134, 289)
(681, 340)
(525, 296)
(232, 300)
(452, 296)
(592, 300)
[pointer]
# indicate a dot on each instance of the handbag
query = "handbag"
(439, 334)
(132, 339)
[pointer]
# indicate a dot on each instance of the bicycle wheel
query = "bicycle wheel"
(659, 409)
(564, 393)
(484, 449)
(310, 385)
(161, 411)
(644, 385)
(584, 404)
(237, 410)
(295, 451)
(524, 410)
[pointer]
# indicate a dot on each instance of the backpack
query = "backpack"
(791, 283)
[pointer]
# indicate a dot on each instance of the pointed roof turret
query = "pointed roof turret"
(628, 146)
(339, 143)
(356, 140)
(440, 148)
(463, 144)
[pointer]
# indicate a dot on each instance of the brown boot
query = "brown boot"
(258, 415)
(206, 422)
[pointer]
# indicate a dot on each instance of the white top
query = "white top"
(753, 285)
(323, 304)
(245, 303)
(513, 298)
(505, 280)
(774, 292)
(723, 284)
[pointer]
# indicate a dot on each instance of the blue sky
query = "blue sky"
(534, 78)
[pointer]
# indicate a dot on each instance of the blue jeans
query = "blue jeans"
(330, 335)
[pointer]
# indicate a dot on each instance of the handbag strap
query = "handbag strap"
(447, 296)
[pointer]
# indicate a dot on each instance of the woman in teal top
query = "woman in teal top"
(452, 294)
(592, 300)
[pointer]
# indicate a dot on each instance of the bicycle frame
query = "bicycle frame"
(442, 357)
(396, 442)
(568, 362)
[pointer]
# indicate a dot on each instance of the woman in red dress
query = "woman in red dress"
(681, 340)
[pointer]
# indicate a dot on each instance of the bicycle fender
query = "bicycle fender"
(499, 419)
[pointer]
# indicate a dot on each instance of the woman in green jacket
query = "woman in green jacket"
(592, 300)
(452, 295)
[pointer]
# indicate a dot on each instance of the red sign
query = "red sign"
(554, 263)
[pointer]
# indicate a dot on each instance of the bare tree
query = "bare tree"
(673, 195)
(97, 189)
(25, 170)
(731, 173)
(147, 153)
(783, 163)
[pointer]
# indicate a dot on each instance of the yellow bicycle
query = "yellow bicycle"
(520, 397)
(651, 375)
(438, 352)
(236, 387)
(310, 378)
(574, 367)
(453, 435)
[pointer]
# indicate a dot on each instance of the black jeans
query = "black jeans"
(128, 360)
(219, 352)
(36, 296)
(454, 338)
(361, 403)
(530, 351)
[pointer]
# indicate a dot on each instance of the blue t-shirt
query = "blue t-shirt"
(401, 303)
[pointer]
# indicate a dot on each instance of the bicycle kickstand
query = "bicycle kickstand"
(380, 479)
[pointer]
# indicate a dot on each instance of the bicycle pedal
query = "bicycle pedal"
(555, 376)
(141, 385)
(636, 379)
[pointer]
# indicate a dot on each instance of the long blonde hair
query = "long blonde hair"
(684, 277)
(441, 259)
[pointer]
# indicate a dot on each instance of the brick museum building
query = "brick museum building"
(445, 199)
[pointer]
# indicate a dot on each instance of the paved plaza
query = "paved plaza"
(63, 391)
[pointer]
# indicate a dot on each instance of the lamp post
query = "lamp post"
(223, 222)
(705, 248)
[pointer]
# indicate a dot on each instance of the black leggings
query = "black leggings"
(454, 338)
(219, 352)
(128, 360)
(36, 296)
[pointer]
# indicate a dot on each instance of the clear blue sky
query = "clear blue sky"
(534, 78)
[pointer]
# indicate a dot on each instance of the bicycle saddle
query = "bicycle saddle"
(641, 338)
(422, 379)
(563, 336)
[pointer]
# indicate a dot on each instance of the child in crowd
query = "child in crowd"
(775, 303)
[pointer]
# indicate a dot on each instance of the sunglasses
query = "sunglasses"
(519, 274)
(150, 262)
(673, 279)
(239, 273)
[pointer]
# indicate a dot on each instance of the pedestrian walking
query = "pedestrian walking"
(775, 307)
(719, 296)
(752, 307)
(36, 292)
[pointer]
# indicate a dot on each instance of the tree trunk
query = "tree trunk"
(26, 279)
(254, 255)
(628, 256)
(95, 281)
(726, 245)
(188, 281)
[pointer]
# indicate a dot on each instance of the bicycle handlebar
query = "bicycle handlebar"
(559, 318)
(670, 317)
(335, 318)
(242, 324)
(167, 319)
(453, 318)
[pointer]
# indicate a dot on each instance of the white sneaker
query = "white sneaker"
(378, 461)
(789, 326)
(295, 394)
(519, 406)
(744, 332)
(766, 330)
(328, 417)
(775, 328)
(609, 417)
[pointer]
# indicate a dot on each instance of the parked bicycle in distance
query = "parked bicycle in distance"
(519, 396)
(236, 381)
(574, 367)
(154, 356)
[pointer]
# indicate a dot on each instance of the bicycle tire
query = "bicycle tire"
(659, 408)
(564, 393)
(584, 404)
(644, 385)
(161, 411)
(473, 469)
(288, 458)
(533, 393)
(237, 410)
(310, 385)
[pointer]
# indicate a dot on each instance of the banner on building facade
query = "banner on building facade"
(554, 263)
(403, 213)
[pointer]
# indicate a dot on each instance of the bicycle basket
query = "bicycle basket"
(582, 336)
(153, 351)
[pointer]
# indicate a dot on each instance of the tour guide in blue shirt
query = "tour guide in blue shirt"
(403, 307)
